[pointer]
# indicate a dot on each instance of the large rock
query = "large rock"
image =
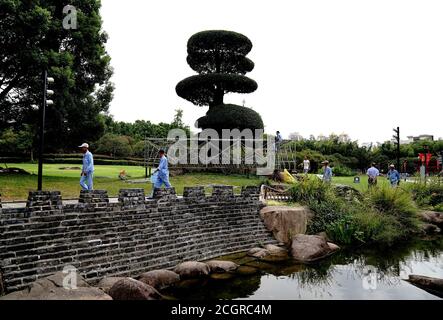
(307, 248)
(285, 222)
(106, 283)
(432, 217)
(275, 250)
(131, 289)
(192, 269)
(432, 285)
(220, 266)
(159, 279)
(51, 288)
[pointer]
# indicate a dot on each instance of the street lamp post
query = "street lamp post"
(46, 102)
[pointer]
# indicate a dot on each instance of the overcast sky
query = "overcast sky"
(359, 67)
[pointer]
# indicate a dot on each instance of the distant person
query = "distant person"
(372, 173)
(393, 176)
(306, 165)
(162, 171)
(327, 175)
(278, 140)
(87, 169)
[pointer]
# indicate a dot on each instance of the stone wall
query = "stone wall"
(127, 238)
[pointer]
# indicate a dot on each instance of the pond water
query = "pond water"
(363, 273)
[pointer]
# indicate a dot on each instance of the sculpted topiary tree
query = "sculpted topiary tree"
(219, 58)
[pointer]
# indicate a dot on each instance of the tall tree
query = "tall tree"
(32, 39)
(219, 58)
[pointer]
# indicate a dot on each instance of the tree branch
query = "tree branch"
(11, 85)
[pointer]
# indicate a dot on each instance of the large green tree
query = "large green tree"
(219, 58)
(32, 39)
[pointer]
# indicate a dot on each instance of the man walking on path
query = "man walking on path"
(327, 175)
(393, 176)
(87, 169)
(372, 173)
(163, 172)
(306, 165)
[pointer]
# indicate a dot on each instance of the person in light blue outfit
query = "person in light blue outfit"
(327, 175)
(162, 171)
(87, 169)
(393, 176)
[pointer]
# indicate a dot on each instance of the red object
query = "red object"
(428, 158)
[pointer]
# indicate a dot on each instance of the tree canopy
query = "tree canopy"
(219, 58)
(32, 39)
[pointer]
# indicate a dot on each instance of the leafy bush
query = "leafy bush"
(397, 203)
(230, 116)
(383, 215)
(343, 171)
(430, 194)
(320, 198)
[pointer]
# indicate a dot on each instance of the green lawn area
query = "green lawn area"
(16, 187)
(363, 185)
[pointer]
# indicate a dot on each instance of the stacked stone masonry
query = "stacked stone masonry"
(135, 235)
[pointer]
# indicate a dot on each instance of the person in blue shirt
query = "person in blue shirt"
(372, 173)
(327, 175)
(393, 176)
(87, 169)
(162, 172)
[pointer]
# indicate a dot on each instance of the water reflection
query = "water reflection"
(364, 273)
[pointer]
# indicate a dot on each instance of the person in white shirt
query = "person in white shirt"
(306, 165)
(372, 173)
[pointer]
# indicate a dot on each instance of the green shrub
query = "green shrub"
(321, 199)
(429, 194)
(397, 203)
(343, 171)
(383, 215)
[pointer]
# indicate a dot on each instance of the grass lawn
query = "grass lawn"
(363, 185)
(16, 187)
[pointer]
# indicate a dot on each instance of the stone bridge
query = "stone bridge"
(135, 235)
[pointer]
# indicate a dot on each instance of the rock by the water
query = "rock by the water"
(285, 222)
(258, 253)
(432, 217)
(275, 250)
(333, 246)
(307, 248)
(429, 228)
(192, 269)
(159, 279)
(246, 271)
(220, 266)
(432, 285)
(107, 282)
(222, 276)
(51, 288)
(131, 289)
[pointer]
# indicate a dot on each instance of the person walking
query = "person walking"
(306, 165)
(278, 141)
(162, 171)
(87, 169)
(372, 173)
(393, 176)
(327, 175)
